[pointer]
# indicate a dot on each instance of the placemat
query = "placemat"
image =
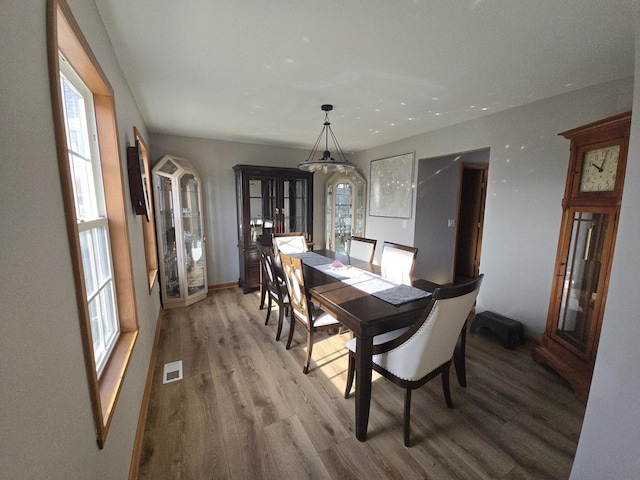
(312, 259)
(401, 294)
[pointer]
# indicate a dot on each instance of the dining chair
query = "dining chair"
(397, 262)
(362, 248)
(302, 310)
(411, 356)
(291, 242)
(274, 285)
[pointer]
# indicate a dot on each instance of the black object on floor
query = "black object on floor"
(511, 332)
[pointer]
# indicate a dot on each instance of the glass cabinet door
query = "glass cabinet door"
(192, 233)
(262, 201)
(588, 247)
(294, 208)
(345, 200)
(179, 224)
(167, 237)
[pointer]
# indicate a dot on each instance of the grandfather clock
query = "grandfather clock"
(590, 211)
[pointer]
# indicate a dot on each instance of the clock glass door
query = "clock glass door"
(587, 249)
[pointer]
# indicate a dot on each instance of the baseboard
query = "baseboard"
(142, 417)
(221, 286)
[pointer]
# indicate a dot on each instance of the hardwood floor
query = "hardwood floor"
(245, 410)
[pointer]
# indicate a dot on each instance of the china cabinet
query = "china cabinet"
(345, 209)
(269, 200)
(591, 206)
(181, 241)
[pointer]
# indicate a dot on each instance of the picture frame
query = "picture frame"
(138, 180)
(391, 190)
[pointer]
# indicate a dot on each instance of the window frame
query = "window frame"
(64, 36)
(97, 263)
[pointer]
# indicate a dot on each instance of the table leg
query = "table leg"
(364, 348)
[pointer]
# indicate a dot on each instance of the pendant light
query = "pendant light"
(326, 163)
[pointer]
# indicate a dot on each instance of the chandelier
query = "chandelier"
(327, 163)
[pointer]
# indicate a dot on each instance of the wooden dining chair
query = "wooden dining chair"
(362, 248)
(397, 262)
(411, 356)
(303, 311)
(274, 285)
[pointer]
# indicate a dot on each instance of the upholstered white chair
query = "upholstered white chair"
(410, 357)
(303, 311)
(397, 262)
(362, 248)
(274, 285)
(289, 243)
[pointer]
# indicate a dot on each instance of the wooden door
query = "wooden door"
(470, 221)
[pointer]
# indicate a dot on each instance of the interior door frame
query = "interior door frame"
(478, 202)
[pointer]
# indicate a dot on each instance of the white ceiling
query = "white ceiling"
(258, 71)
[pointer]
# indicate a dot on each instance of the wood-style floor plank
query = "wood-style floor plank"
(245, 410)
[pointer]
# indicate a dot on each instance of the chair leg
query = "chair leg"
(445, 385)
(292, 324)
(305, 368)
(459, 355)
(263, 293)
(351, 370)
(280, 319)
(266, 321)
(407, 417)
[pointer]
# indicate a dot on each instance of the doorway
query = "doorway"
(470, 220)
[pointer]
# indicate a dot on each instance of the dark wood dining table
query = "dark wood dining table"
(366, 316)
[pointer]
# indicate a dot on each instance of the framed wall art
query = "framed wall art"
(391, 191)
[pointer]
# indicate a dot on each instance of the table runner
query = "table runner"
(380, 287)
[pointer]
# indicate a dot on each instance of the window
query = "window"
(93, 227)
(95, 208)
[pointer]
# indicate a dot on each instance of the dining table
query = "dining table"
(366, 316)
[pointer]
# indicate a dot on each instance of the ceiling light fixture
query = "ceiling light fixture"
(327, 163)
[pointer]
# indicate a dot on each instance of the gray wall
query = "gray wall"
(45, 410)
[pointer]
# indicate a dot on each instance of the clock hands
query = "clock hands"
(601, 167)
(604, 160)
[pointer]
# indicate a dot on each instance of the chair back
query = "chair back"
(430, 342)
(294, 278)
(362, 248)
(397, 262)
(274, 283)
(289, 243)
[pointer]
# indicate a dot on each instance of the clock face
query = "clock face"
(599, 169)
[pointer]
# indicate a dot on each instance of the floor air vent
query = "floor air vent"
(172, 372)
